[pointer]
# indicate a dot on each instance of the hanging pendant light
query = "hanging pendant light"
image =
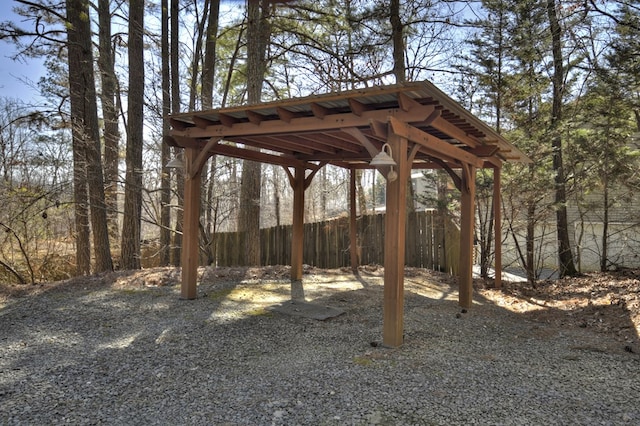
(175, 163)
(385, 158)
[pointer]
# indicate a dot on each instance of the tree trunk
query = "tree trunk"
(80, 191)
(165, 155)
(81, 209)
(362, 196)
(605, 225)
(197, 55)
(530, 265)
(565, 255)
(86, 134)
(209, 64)
(133, 181)
(397, 36)
(175, 108)
(258, 34)
(110, 116)
(208, 76)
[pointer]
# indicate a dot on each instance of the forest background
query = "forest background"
(82, 173)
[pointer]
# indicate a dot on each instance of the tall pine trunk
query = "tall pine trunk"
(258, 34)
(86, 135)
(130, 256)
(165, 150)
(175, 108)
(110, 116)
(397, 37)
(208, 76)
(565, 255)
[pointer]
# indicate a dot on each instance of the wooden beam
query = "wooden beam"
(297, 238)
(231, 127)
(455, 132)
(362, 138)
(412, 155)
(203, 156)
(254, 117)
(333, 139)
(394, 246)
(497, 217)
(319, 111)
(177, 124)
(485, 150)
(277, 143)
(191, 221)
(467, 219)
(432, 143)
(457, 180)
(170, 140)
(262, 157)
(185, 142)
(431, 118)
(406, 103)
(309, 178)
(227, 120)
(201, 122)
(285, 115)
(358, 108)
(379, 128)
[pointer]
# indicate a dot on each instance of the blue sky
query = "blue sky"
(13, 74)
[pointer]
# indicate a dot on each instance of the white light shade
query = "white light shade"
(383, 158)
(175, 163)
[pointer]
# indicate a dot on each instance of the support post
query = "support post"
(190, 254)
(353, 230)
(497, 214)
(467, 219)
(394, 246)
(297, 238)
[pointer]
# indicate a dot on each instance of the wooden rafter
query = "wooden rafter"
(233, 127)
(432, 143)
(202, 123)
(319, 111)
(263, 157)
(454, 131)
(285, 115)
(227, 120)
(254, 117)
(358, 108)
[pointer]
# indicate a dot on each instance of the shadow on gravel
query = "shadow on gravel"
(123, 349)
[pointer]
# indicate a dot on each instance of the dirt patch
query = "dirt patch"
(605, 302)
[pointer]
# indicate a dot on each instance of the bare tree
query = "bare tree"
(110, 115)
(130, 257)
(565, 255)
(86, 141)
(174, 56)
(165, 150)
(258, 34)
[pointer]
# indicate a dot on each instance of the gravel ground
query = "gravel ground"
(123, 349)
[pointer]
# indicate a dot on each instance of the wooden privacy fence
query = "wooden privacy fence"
(432, 241)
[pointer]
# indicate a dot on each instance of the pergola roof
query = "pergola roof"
(346, 129)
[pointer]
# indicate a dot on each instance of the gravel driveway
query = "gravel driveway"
(123, 349)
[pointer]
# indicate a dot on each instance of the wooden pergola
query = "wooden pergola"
(423, 128)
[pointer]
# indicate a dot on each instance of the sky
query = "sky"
(14, 75)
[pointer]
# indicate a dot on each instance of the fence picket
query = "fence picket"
(431, 242)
